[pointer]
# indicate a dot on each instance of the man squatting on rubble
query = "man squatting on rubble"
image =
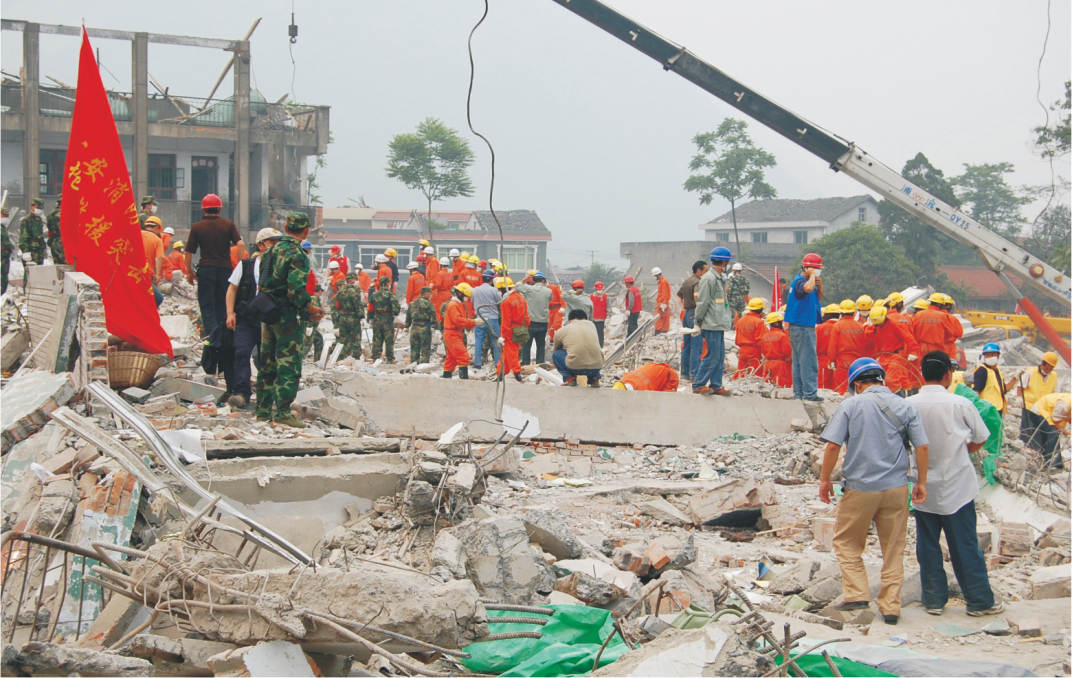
(576, 350)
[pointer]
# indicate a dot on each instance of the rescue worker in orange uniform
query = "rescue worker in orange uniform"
(554, 311)
(822, 346)
(662, 302)
(237, 255)
(896, 313)
(650, 377)
(363, 279)
(931, 328)
(513, 313)
(383, 268)
(846, 345)
(471, 276)
(777, 365)
(178, 261)
(441, 287)
(863, 307)
(431, 264)
(894, 348)
(953, 327)
(415, 283)
(750, 331)
(455, 321)
(336, 278)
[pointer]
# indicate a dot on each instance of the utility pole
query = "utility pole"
(593, 254)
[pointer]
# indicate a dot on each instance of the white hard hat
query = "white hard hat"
(412, 265)
(169, 230)
(443, 261)
(333, 264)
(656, 271)
(360, 266)
(268, 233)
(429, 250)
(380, 259)
(455, 253)
(738, 267)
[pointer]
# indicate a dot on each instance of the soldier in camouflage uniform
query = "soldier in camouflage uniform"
(314, 341)
(383, 307)
(349, 310)
(737, 288)
(420, 319)
(148, 209)
(284, 273)
(8, 248)
(55, 242)
(32, 232)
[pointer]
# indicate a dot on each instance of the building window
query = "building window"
(800, 237)
(51, 171)
(455, 225)
(759, 236)
(519, 258)
(722, 236)
(367, 257)
(162, 176)
(861, 215)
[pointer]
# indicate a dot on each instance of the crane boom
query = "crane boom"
(996, 252)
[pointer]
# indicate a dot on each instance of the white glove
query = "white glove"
(696, 331)
(831, 366)
(662, 307)
(912, 357)
(479, 321)
(501, 340)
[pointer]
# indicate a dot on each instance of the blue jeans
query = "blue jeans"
(805, 362)
(212, 296)
(559, 359)
(714, 363)
(967, 560)
(490, 326)
(691, 348)
(159, 298)
(247, 338)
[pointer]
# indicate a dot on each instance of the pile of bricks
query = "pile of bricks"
(92, 330)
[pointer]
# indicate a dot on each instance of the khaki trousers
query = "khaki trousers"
(889, 511)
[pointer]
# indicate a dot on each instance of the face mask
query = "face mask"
(992, 361)
(39, 212)
(152, 209)
(818, 273)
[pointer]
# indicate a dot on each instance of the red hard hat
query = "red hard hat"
(599, 285)
(628, 279)
(211, 201)
(813, 260)
(578, 283)
(335, 248)
(483, 263)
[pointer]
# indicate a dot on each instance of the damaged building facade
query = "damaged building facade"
(249, 151)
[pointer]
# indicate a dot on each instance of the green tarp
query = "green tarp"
(992, 418)
(571, 640)
(814, 666)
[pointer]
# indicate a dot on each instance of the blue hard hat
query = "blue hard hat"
(539, 274)
(306, 245)
(862, 365)
(487, 275)
(991, 348)
(721, 254)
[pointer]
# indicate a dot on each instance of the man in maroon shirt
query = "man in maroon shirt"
(634, 303)
(214, 236)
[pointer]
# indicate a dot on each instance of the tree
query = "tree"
(1053, 140)
(985, 195)
(859, 260)
(603, 273)
(433, 160)
(1053, 233)
(733, 166)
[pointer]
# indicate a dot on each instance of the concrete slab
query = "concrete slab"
(27, 402)
(12, 346)
(664, 418)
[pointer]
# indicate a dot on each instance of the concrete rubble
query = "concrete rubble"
(385, 536)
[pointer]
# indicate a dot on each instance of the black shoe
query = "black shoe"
(463, 372)
(447, 375)
(593, 383)
(848, 605)
(520, 379)
(572, 381)
(890, 619)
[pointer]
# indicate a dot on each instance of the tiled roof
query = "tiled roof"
(513, 221)
(822, 209)
(983, 282)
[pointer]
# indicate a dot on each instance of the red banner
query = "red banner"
(99, 222)
(776, 296)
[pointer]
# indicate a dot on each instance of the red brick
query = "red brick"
(657, 556)
(632, 561)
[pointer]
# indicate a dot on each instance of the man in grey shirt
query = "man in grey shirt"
(577, 300)
(538, 296)
(486, 303)
(874, 426)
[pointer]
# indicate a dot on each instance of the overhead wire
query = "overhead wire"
(1046, 114)
(491, 149)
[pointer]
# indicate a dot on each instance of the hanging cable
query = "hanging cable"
(491, 149)
(293, 33)
(1046, 114)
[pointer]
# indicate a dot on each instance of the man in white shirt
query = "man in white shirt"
(955, 431)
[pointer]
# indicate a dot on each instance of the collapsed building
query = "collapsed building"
(423, 526)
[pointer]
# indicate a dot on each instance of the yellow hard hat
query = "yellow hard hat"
(848, 306)
(178, 243)
(864, 303)
(895, 298)
(775, 317)
(465, 256)
(424, 243)
(922, 304)
(946, 299)
(390, 252)
(831, 309)
(464, 288)
(154, 220)
(1050, 358)
(878, 315)
(619, 386)
(532, 272)
(756, 304)
(879, 303)
(474, 260)
(502, 282)
(936, 298)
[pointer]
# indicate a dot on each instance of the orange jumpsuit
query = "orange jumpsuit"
(431, 269)
(893, 342)
(166, 239)
(178, 262)
(384, 271)
(750, 331)
(513, 312)
(955, 331)
(456, 267)
(931, 331)
(237, 255)
(662, 315)
(652, 377)
(847, 343)
(822, 349)
(777, 355)
(441, 292)
(413, 287)
(364, 281)
(455, 322)
(554, 311)
(473, 277)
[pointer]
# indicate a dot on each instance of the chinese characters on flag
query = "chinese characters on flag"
(99, 222)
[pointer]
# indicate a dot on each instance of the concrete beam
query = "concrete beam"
(139, 59)
(31, 107)
(242, 157)
(110, 34)
(230, 449)
(428, 408)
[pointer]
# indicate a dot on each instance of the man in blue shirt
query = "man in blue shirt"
(803, 304)
(875, 426)
(486, 301)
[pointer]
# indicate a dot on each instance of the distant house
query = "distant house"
(987, 292)
(365, 232)
(794, 222)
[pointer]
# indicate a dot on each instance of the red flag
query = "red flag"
(99, 223)
(776, 296)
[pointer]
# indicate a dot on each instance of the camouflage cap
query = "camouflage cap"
(148, 200)
(352, 275)
(426, 290)
(384, 281)
(297, 221)
(59, 197)
(37, 202)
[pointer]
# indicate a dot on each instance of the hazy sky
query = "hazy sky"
(589, 133)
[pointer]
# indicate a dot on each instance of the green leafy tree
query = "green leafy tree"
(859, 260)
(1053, 233)
(730, 166)
(434, 160)
(1053, 141)
(990, 200)
(601, 272)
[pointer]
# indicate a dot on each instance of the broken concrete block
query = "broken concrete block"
(1056, 535)
(309, 395)
(497, 461)
(13, 344)
(631, 559)
(821, 593)
(1029, 627)
(794, 579)
(182, 656)
(343, 411)
(588, 589)
(560, 598)
(275, 658)
(861, 617)
(626, 581)
(681, 653)
(449, 552)
(553, 534)
(28, 400)
(822, 529)
(176, 326)
(419, 501)
(546, 463)
(463, 480)
(677, 594)
(1013, 539)
(681, 550)
(997, 628)
(657, 556)
(54, 508)
(737, 503)
(1051, 582)
(135, 394)
(501, 563)
(662, 510)
(49, 659)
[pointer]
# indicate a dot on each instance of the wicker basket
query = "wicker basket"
(132, 368)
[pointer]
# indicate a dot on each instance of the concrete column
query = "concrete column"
(31, 109)
(140, 111)
(242, 146)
